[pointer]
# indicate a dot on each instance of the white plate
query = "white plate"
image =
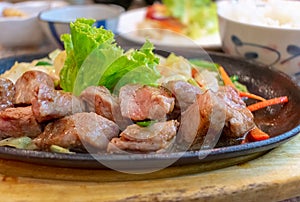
(128, 29)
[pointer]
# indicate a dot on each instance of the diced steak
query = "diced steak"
(184, 92)
(98, 99)
(28, 82)
(205, 115)
(140, 102)
(78, 131)
(239, 119)
(210, 114)
(48, 104)
(157, 137)
(18, 122)
(7, 93)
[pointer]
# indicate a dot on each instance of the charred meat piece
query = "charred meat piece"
(7, 93)
(81, 131)
(184, 92)
(157, 137)
(140, 102)
(203, 117)
(28, 82)
(18, 122)
(98, 99)
(48, 104)
(203, 121)
(239, 119)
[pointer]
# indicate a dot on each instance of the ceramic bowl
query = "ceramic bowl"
(56, 22)
(262, 33)
(19, 31)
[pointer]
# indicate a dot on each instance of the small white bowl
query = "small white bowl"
(258, 39)
(56, 22)
(24, 31)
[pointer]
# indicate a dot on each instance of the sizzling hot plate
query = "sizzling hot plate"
(282, 123)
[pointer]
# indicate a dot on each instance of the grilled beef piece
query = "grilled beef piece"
(184, 92)
(81, 131)
(157, 137)
(207, 113)
(7, 93)
(18, 122)
(28, 82)
(239, 119)
(140, 102)
(48, 104)
(98, 99)
(203, 121)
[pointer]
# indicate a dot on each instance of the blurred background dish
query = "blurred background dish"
(130, 30)
(126, 3)
(57, 21)
(19, 25)
(264, 32)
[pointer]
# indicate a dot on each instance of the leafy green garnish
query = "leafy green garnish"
(93, 58)
(43, 63)
(237, 84)
(210, 66)
(81, 41)
(146, 123)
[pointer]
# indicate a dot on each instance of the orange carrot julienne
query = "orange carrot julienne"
(195, 73)
(227, 81)
(266, 103)
(250, 95)
(257, 135)
(225, 77)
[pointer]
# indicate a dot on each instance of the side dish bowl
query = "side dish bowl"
(262, 33)
(17, 31)
(57, 21)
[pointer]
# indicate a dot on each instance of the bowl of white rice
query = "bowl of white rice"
(264, 31)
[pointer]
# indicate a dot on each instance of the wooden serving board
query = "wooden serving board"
(272, 177)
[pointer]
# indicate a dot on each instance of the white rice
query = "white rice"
(274, 13)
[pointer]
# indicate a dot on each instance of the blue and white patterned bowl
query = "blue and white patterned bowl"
(276, 47)
(57, 21)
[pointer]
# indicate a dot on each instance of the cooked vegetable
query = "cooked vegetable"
(256, 135)
(146, 123)
(251, 95)
(58, 149)
(20, 143)
(240, 87)
(225, 77)
(266, 103)
(43, 63)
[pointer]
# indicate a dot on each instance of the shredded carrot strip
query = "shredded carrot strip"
(266, 103)
(250, 95)
(257, 135)
(195, 73)
(225, 77)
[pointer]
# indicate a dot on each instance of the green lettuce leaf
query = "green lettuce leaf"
(93, 58)
(81, 41)
(137, 66)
